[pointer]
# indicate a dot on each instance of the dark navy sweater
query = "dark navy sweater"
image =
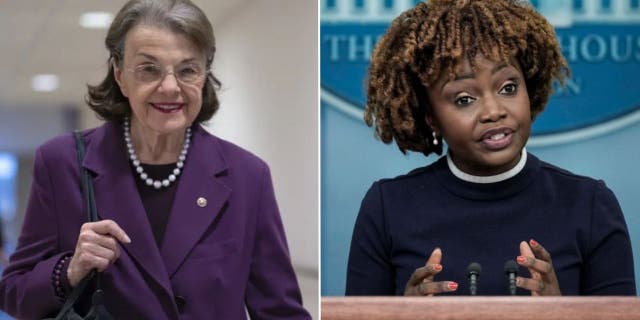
(577, 219)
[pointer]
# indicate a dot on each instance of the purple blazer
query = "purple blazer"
(213, 261)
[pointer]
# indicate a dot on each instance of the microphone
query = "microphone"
(511, 270)
(473, 272)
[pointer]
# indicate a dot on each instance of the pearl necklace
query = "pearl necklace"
(136, 162)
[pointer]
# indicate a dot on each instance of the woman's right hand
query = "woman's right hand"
(421, 282)
(97, 248)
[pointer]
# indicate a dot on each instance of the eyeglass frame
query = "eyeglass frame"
(202, 73)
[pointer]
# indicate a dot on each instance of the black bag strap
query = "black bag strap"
(87, 190)
(85, 179)
(75, 295)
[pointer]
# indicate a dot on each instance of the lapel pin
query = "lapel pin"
(202, 202)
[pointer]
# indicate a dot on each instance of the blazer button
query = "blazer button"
(180, 302)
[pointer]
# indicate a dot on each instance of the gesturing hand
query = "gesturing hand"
(97, 248)
(543, 281)
(421, 282)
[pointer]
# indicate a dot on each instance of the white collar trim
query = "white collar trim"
(488, 179)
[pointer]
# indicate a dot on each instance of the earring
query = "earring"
(435, 138)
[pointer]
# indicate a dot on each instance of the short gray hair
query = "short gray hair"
(178, 16)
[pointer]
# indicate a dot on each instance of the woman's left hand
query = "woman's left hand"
(543, 281)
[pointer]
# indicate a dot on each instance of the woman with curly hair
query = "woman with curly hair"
(476, 74)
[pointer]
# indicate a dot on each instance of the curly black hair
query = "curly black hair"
(426, 42)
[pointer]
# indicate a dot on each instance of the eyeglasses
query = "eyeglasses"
(151, 73)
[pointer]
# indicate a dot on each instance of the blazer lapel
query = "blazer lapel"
(199, 199)
(118, 199)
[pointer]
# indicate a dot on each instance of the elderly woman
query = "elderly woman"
(189, 224)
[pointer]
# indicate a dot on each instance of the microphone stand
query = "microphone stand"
(473, 272)
(511, 270)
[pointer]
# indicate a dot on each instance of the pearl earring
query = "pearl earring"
(435, 138)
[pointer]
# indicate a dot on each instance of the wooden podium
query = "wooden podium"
(480, 308)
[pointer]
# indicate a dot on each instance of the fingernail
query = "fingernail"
(453, 286)
(518, 281)
(127, 238)
(437, 267)
(533, 243)
(521, 259)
